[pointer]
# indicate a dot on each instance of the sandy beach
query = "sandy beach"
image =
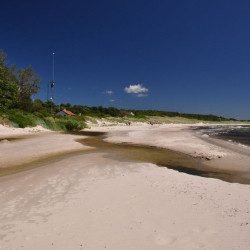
(90, 201)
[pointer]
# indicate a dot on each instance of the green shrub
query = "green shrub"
(64, 123)
(75, 123)
(50, 123)
(71, 125)
(21, 118)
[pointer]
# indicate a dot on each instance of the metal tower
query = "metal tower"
(51, 85)
(53, 76)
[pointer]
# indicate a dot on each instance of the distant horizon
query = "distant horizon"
(181, 56)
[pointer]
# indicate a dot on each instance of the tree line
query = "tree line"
(17, 85)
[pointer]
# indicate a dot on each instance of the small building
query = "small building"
(65, 112)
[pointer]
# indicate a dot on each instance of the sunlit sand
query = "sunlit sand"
(91, 201)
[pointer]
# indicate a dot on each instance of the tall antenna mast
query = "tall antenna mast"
(53, 69)
(48, 92)
(52, 84)
(53, 78)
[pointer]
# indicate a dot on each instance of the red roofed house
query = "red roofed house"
(65, 113)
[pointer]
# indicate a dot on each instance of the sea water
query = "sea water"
(239, 135)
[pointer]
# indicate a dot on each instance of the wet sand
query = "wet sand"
(90, 201)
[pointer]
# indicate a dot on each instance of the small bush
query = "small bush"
(64, 123)
(21, 118)
(71, 125)
(50, 123)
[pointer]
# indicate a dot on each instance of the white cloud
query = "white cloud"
(109, 92)
(111, 100)
(142, 95)
(135, 89)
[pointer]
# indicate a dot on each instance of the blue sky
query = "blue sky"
(189, 56)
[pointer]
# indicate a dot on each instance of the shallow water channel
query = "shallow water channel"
(159, 156)
(135, 153)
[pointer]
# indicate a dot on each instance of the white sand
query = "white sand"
(34, 148)
(6, 131)
(92, 202)
(175, 137)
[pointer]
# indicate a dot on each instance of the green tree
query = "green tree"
(8, 84)
(28, 85)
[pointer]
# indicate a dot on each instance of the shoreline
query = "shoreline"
(181, 138)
